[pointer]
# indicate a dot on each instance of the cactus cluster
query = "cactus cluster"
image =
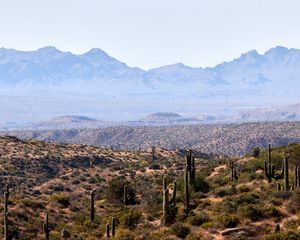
(169, 206)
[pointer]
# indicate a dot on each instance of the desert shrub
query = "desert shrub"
(180, 230)
(282, 194)
(154, 166)
(273, 212)
(33, 204)
(204, 203)
(116, 190)
(198, 219)
(229, 221)
(222, 192)
(61, 198)
(220, 181)
(201, 185)
(243, 189)
(251, 211)
(57, 188)
(247, 198)
(283, 236)
(253, 165)
(124, 235)
(256, 152)
(130, 218)
(229, 206)
(294, 203)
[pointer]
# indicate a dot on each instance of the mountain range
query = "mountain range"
(48, 83)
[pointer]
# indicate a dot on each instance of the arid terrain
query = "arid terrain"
(223, 139)
(58, 179)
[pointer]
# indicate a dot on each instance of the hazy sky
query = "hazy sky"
(151, 33)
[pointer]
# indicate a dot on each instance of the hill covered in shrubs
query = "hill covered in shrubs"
(86, 192)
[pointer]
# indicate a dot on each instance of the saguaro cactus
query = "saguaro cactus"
(113, 227)
(278, 187)
(269, 167)
(92, 206)
(107, 231)
(233, 171)
(169, 206)
(190, 162)
(296, 176)
(286, 175)
(46, 227)
(173, 200)
(186, 188)
(166, 212)
(125, 196)
(5, 213)
(7, 190)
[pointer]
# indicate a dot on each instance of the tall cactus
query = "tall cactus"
(125, 195)
(233, 171)
(174, 194)
(296, 177)
(169, 206)
(7, 190)
(5, 223)
(166, 212)
(186, 188)
(286, 185)
(113, 227)
(269, 167)
(107, 231)
(278, 187)
(190, 162)
(92, 206)
(46, 227)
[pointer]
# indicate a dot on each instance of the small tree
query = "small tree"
(256, 152)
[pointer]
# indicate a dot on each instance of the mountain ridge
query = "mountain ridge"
(96, 84)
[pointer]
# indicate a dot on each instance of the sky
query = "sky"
(152, 33)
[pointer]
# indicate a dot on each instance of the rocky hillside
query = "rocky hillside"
(228, 198)
(224, 139)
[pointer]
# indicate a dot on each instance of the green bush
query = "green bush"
(116, 190)
(62, 199)
(198, 219)
(201, 185)
(244, 189)
(256, 152)
(247, 198)
(222, 192)
(283, 236)
(229, 206)
(229, 221)
(180, 230)
(252, 212)
(130, 218)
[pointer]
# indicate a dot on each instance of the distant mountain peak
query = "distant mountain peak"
(49, 49)
(250, 54)
(96, 52)
(162, 116)
(279, 50)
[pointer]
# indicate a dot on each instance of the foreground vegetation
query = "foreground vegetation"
(85, 192)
